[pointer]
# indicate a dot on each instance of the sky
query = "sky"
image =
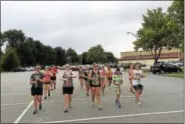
(79, 24)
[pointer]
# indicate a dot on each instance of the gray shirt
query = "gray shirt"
(36, 76)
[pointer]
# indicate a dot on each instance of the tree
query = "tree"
(10, 60)
(109, 57)
(176, 14)
(155, 33)
(60, 56)
(14, 37)
(84, 58)
(95, 54)
(72, 56)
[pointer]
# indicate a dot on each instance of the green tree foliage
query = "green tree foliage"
(109, 57)
(60, 56)
(176, 14)
(10, 60)
(72, 56)
(15, 37)
(155, 33)
(96, 54)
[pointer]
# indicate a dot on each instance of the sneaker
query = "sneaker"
(70, 106)
(87, 94)
(102, 94)
(45, 97)
(109, 88)
(40, 106)
(99, 107)
(119, 105)
(92, 105)
(35, 111)
(49, 94)
(65, 111)
(139, 103)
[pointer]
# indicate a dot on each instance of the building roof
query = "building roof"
(146, 57)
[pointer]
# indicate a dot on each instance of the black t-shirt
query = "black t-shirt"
(35, 76)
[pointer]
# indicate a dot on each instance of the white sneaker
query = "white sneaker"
(139, 103)
(92, 105)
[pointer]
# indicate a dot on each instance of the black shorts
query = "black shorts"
(110, 78)
(36, 91)
(138, 87)
(68, 90)
(53, 78)
(91, 85)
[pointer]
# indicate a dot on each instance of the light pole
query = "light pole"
(136, 39)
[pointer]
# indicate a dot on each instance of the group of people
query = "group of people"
(95, 81)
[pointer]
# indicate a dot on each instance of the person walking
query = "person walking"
(118, 81)
(36, 81)
(95, 85)
(68, 87)
(137, 75)
(130, 78)
(47, 82)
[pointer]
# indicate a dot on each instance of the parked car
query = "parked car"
(19, 69)
(163, 67)
(178, 64)
(74, 68)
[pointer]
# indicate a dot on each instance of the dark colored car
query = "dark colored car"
(19, 69)
(165, 67)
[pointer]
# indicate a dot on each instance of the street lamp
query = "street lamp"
(136, 39)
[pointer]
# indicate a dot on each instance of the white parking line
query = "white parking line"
(52, 101)
(24, 112)
(118, 116)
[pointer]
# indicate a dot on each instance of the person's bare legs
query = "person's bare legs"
(87, 88)
(35, 99)
(103, 87)
(45, 90)
(81, 83)
(93, 95)
(70, 98)
(66, 102)
(97, 92)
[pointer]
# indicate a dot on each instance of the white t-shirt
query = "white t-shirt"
(137, 73)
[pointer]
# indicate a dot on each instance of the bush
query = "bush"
(10, 60)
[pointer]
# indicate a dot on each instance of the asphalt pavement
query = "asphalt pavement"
(162, 102)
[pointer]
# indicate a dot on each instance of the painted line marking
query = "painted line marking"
(118, 116)
(23, 113)
(79, 99)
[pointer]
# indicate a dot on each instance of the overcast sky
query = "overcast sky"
(79, 25)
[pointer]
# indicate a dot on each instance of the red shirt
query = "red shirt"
(47, 76)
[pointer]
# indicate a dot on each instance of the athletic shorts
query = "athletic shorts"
(138, 87)
(91, 85)
(53, 78)
(36, 91)
(118, 90)
(110, 78)
(81, 77)
(68, 90)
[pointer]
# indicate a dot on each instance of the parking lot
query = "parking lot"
(162, 103)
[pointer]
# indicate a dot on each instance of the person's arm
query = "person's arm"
(73, 76)
(90, 75)
(142, 74)
(32, 79)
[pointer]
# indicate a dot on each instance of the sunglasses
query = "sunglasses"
(37, 68)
